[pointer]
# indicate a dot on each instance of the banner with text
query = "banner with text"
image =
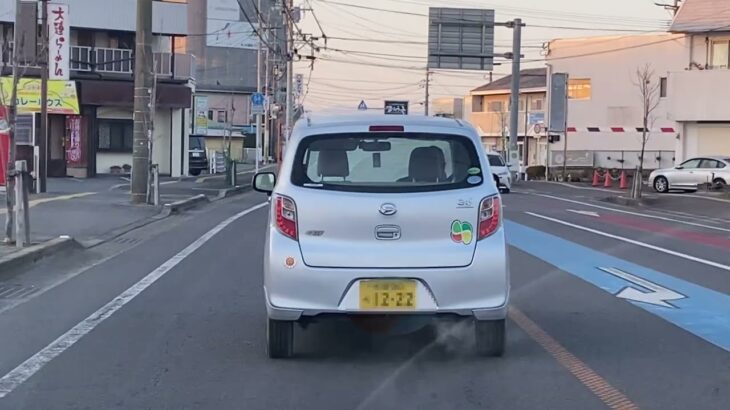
(62, 96)
(59, 41)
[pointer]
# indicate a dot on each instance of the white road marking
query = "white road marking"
(586, 213)
(709, 198)
(657, 295)
(631, 241)
(663, 218)
(588, 188)
(51, 199)
(32, 365)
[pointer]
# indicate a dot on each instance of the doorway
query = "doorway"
(56, 151)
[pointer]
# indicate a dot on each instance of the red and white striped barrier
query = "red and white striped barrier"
(620, 129)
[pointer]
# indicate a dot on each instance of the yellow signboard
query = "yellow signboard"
(62, 97)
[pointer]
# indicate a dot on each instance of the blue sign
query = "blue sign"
(536, 118)
(257, 99)
(362, 106)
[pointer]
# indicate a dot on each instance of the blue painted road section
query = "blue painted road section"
(704, 312)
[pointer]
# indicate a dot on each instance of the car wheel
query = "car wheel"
(280, 339)
(195, 172)
(719, 183)
(661, 184)
(491, 337)
(506, 190)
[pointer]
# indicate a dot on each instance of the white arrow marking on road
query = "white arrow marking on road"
(586, 213)
(658, 295)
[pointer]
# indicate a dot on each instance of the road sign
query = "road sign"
(558, 102)
(461, 39)
(362, 106)
(396, 107)
(257, 103)
(538, 128)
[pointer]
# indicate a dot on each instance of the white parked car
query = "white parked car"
(384, 215)
(690, 174)
(501, 170)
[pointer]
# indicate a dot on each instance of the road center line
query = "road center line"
(32, 365)
(608, 394)
(634, 242)
(663, 218)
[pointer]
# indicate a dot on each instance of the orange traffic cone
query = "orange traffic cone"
(623, 183)
(596, 178)
(608, 182)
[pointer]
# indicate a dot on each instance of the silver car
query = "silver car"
(501, 170)
(690, 174)
(384, 216)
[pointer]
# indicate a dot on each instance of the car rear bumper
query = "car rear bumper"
(480, 290)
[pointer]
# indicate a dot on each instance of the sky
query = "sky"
(347, 72)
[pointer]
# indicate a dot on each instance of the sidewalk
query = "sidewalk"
(94, 210)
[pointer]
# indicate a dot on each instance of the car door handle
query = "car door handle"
(387, 232)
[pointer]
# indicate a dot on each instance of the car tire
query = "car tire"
(195, 172)
(661, 185)
(719, 183)
(280, 339)
(506, 190)
(491, 337)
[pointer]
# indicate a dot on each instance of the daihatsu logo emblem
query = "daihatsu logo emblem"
(388, 209)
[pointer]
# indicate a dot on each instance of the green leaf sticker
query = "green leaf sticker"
(462, 232)
(474, 171)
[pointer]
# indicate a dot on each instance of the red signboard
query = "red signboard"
(74, 142)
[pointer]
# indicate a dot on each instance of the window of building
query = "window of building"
(495, 106)
(115, 135)
(221, 116)
(477, 103)
(720, 54)
(663, 87)
(537, 104)
(579, 89)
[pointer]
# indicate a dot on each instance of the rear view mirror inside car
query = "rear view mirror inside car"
(375, 146)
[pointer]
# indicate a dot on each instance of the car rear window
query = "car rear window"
(382, 162)
(495, 160)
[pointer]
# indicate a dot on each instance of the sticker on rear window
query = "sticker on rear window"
(474, 171)
(462, 232)
(474, 179)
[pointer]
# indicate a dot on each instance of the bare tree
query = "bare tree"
(649, 92)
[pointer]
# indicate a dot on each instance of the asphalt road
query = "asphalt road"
(612, 307)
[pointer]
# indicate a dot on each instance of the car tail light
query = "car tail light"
(490, 216)
(286, 216)
(387, 128)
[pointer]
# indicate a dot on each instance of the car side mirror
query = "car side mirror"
(264, 182)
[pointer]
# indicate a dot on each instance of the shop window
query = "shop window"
(116, 135)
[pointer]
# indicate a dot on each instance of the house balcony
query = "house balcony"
(694, 95)
(119, 61)
(495, 123)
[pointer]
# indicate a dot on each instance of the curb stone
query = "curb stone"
(179, 206)
(37, 252)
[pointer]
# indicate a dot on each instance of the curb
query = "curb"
(37, 252)
(229, 192)
(179, 206)
(626, 201)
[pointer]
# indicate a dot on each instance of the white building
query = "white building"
(98, 99)
(690, 67)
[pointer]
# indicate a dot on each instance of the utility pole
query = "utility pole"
(44, 64)
(288, 5)
(514, 160)
(142, 97)
(259, 132)
(428, 84)
(12, 107)
(267, 105)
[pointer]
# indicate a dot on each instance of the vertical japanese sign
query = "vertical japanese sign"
(74, 145)
(59, 41)
(201, 115)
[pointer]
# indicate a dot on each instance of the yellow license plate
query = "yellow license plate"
(388, 294)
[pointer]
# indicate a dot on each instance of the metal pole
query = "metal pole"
(156, 184)
(514, 159)
(42, 176)
(428, 83)
(267, 106)
(548, 113)
(142, 91)
(565, 127)
(22, 221)
(525, 141)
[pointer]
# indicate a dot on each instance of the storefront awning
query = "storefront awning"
(121, 94)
